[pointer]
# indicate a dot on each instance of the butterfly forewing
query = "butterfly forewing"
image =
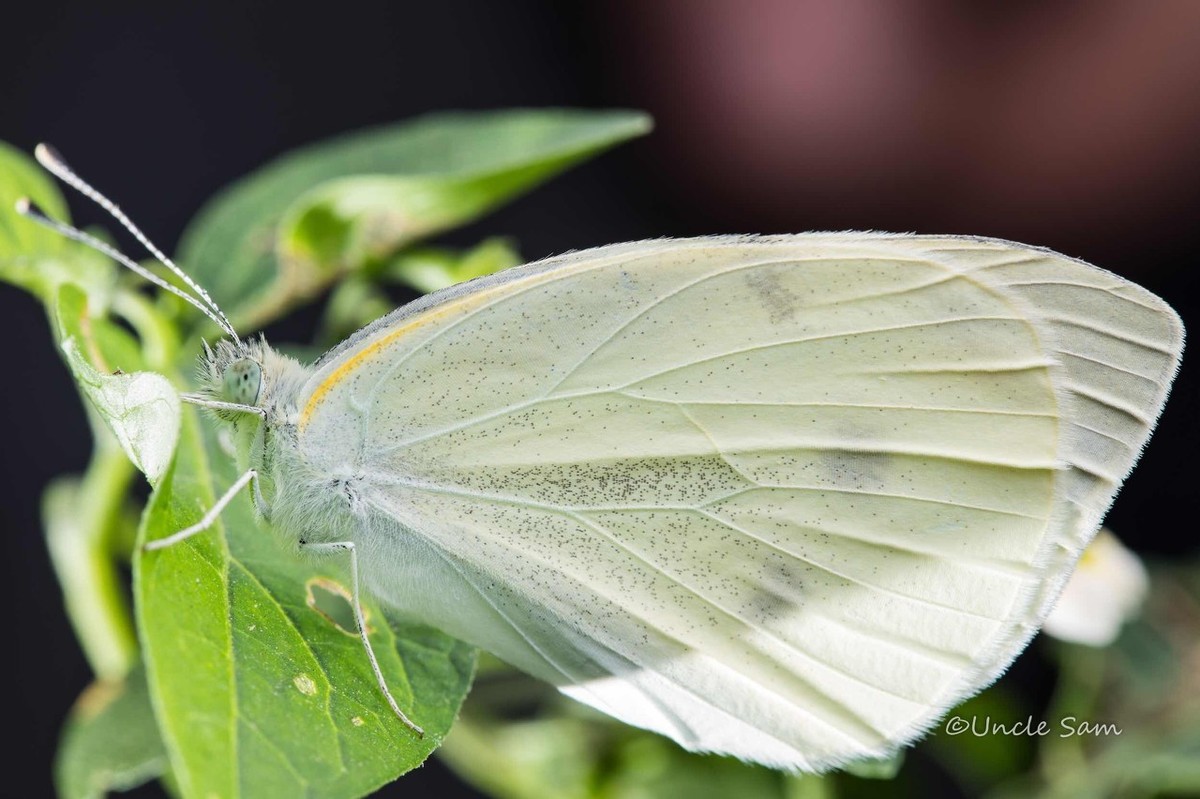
(787, 499)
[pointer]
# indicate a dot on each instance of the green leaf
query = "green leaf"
(257, 693)
(354, 303)
(31, 256)
(975, 759)
(652, 766)
(877, 768)
(141, 409)
(358, 300)
(110, 742)
(81, 519)
(24, 243)
(279, 236)
(428, 269)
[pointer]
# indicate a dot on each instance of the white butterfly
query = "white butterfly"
(785, 498)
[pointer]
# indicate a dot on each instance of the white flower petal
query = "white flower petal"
(1106, 590)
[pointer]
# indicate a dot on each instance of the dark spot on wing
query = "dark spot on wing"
(778, 300)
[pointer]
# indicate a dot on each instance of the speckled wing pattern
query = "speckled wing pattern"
(784, 498)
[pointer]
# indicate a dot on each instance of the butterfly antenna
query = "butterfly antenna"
(53, 161)
(30, 211)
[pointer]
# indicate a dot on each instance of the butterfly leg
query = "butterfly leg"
(348, 546)
(214, 512)
(260, 502)
(216, 405)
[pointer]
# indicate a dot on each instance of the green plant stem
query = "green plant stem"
(1081, 676)
(809, 786)
(82, 523)
(160, 343)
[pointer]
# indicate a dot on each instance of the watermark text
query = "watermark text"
(1067, 727)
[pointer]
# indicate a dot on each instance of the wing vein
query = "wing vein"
(1108, 365)
(717, 447)
(889, 495)
(521, 502)
(1110, 402)
(641, 312)
(991, 370)
(1102, 434)
(822, 404)
(517, 291)
(738, 528)
(851, 724)
(820, 337)
(1111, 291)
(737, 617)
(1128, 338)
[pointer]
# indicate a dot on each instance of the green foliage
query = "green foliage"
(30, 256)
(239, 683)
(241, 687)
(278, 237)
(360, 297)
(272, 699)
(519, 739)
(140, 409)
(429, 268)
(111, 741)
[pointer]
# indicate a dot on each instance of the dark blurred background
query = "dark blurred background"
(1069, 125)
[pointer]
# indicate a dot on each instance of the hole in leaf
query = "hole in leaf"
(332, 600)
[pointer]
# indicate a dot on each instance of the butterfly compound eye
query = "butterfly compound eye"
(243, 381)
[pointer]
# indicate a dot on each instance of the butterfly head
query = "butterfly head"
(232, 372)
(247, 373)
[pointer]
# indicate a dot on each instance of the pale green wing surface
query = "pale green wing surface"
(787, 499)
